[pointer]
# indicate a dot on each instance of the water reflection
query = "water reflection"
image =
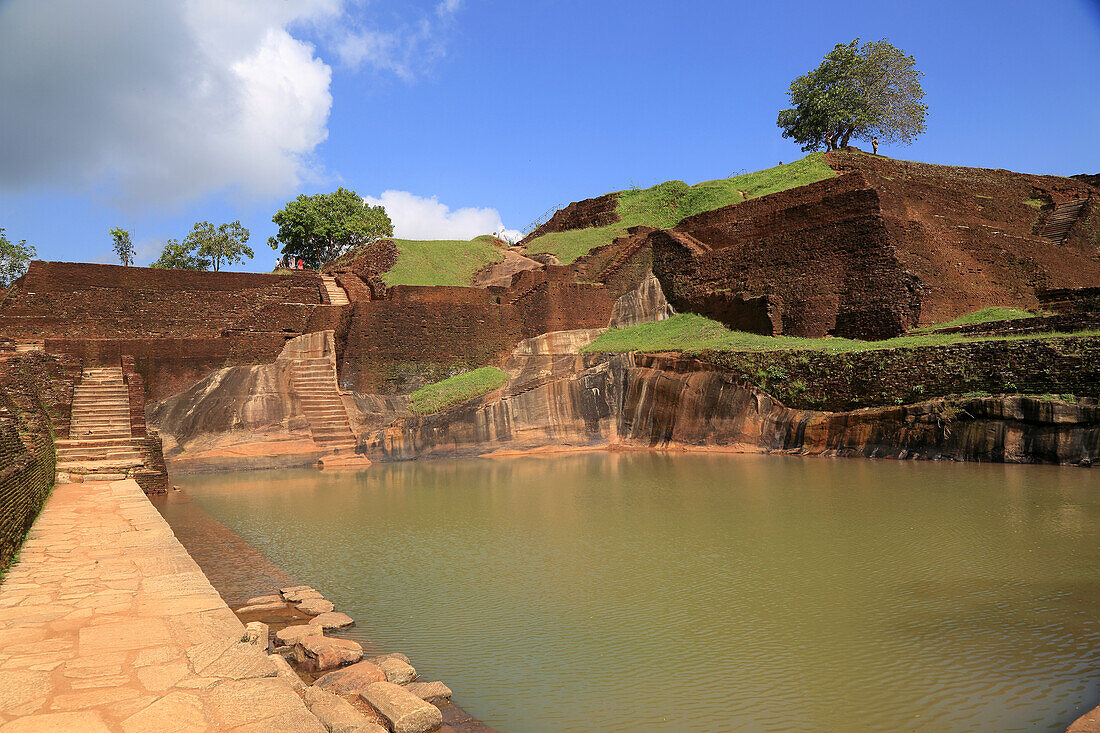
(707, 592)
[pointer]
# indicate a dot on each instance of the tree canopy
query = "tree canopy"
(123, 245)
(14, 259)
(220, 245)
(178, 255)
(857, 92)
(320, 228)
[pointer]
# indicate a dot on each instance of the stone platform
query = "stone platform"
(107, 624)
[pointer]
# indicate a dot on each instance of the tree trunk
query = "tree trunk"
(847, 134)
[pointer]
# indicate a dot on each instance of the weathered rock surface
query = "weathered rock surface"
(383, 657)
(315, 606)
(667, 401)
(337, 714)
(260, 607)
(398, 671)
(257, 634)
(300, 594)
(284, 671)
(291, 635)
(430, 691)
(352, 679)
(645, 304)
(333, 620)
(322, 653)
(273, 598)
(405, 712)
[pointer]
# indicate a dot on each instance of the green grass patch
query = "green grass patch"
(985, 315)
(442, 262)
(1036, 203)
(692, 334)
(456, 390)
(667, 204)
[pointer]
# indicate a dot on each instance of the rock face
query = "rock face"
(397, 671)
(671, 401)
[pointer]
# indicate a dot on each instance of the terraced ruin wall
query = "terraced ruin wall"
(419, 335)
(886, 246)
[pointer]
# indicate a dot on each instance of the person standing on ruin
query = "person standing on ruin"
(874, 144)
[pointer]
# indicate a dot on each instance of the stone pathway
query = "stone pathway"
(106, 624)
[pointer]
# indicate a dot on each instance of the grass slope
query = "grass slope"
(985, 315)
(456, 390)
(691, 334)
(442, 262)
(667, 204)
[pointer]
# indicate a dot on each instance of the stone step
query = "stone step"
(111, 442)
(74, 456)
(101, 466)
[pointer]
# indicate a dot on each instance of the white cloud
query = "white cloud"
(416, 217)
(165, 101)
(403, 51)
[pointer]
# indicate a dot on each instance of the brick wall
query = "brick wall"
(820, 256)
(34, 388)
(886, 246)
(107, 301)
(421, 334)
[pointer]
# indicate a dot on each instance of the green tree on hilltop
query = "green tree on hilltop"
(178, 255)
(14, 259)
(857, 92)
(219, 245)
(320, 228)
(123, 245)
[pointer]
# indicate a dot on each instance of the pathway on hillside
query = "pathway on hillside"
(1063, 218)
(315, 382)
(336, 294)
(106, 624)
(99, 433)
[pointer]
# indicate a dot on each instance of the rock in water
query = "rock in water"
(429, 691)
(398, 672)
(273, 598)
(333, 620)
(353, 679)
(291, 635)
(295, 596)
(322, 653)
(406, 712)
(315, 606)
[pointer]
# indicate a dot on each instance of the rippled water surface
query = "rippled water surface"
(647, 592)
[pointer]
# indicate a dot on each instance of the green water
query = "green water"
(649, 592)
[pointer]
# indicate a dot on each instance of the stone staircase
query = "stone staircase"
(1063, 218)
(99, 432)
(315, 382)
(336, 294)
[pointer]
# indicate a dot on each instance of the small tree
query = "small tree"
(179, 256)
(320, 228)
(221, 245)
(860, 93)
(14, 259)
(123, 245)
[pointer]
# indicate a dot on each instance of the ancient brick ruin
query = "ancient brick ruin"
(882, 248)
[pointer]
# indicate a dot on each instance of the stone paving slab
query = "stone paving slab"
(107, 624)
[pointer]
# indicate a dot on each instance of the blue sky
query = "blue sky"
(476, 114)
